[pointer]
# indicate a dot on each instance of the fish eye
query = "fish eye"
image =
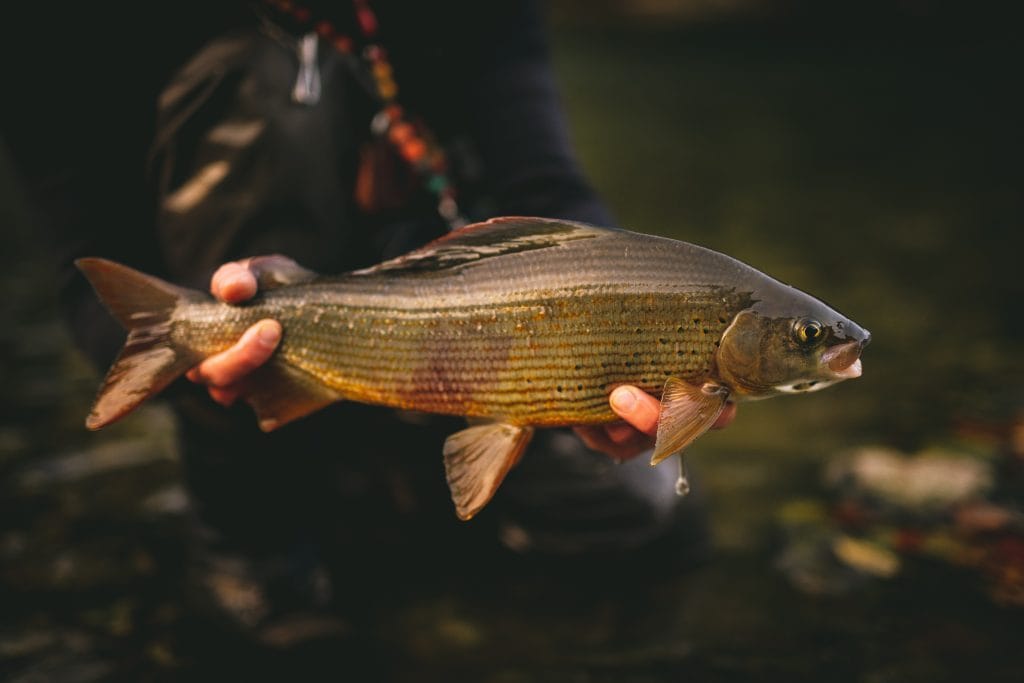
(809, 331)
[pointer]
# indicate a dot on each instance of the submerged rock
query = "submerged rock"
(927, 482)
(886, 507)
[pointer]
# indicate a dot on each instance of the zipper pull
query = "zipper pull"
(307, 83)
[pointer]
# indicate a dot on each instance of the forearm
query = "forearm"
(522, 134)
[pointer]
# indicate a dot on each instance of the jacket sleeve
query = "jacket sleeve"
(519, 124)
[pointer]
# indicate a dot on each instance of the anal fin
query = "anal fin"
(687, 411)
(281, 393)
(476, 461)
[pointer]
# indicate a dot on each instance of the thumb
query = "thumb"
(636, 407)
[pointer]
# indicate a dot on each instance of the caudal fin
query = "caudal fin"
(150, 359)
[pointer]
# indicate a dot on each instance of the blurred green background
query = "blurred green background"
(869, 155)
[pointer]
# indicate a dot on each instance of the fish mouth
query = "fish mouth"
(843, 360)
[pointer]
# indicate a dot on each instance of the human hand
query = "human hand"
(639, 411)
(224, 373)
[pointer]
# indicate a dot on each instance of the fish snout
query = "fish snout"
(843, 360)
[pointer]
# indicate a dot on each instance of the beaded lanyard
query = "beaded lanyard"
(414, 145)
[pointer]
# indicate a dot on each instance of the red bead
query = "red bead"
(367, 20)
(413, 150)
(401, 132)
(325, 30)
(343, 44)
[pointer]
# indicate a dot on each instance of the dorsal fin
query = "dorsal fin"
(489, 239)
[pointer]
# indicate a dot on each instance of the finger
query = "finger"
(251, 351)
(727, 416)
(226, 396)
(233, 282)
(636, 407)
(621, 432)
(597, 439)
(593, 438)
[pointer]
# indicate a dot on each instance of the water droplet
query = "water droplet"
(682, 483)
(682, 486)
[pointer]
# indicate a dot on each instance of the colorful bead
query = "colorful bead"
(388, 90)
(367, 19)
(343, 44)
(414, 150)
(325, 30)
(382, 70)
(437, 183)
(401, 133)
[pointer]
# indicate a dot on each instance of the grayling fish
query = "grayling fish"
(516, 322)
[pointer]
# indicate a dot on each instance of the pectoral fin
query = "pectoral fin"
(281, 393)
(476, 461)
(687, 411)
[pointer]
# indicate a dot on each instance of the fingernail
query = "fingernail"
(269, 334)
(623, 400)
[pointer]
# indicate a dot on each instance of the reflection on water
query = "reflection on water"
(879, 175)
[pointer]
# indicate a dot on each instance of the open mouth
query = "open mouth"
(843, 360)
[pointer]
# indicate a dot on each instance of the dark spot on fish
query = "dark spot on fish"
(662, 340)
(722, 319)
(680, 353)
(693, 353)
(706, 331)
(639, 330)
(577, 367)
(559, 388)
(667, 373)
(636, 354)
(696, 321)
(579, 387)
(680, 329)
(718, 343)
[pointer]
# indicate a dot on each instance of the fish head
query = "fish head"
(789, 342)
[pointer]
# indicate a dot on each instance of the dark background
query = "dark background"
(870, 155)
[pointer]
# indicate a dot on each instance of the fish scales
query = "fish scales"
(521, 337)
(549, 359)
(528, 322)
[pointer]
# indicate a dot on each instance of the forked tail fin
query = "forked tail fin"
(150, 358)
